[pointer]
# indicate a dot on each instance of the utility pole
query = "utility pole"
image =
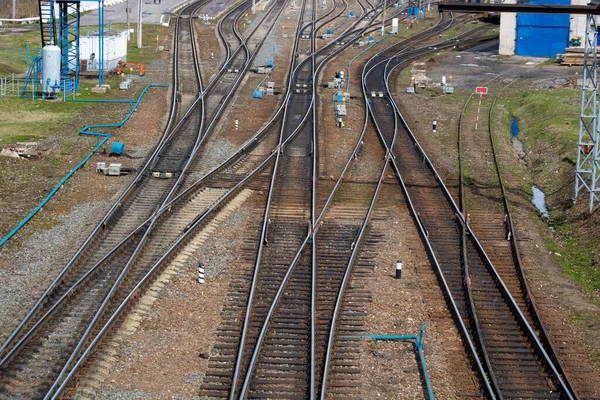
(383, 19)
(14, 14)
(139, 30)
(127, 10)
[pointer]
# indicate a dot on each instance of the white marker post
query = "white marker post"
(398, 269)
(201, 273)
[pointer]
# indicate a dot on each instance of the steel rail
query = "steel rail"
(312, 233)
(240, 355)
(142, 242)
(463, 329)
(465, 265)
(106, 219)
(206, 213)
(94, 269)
(545, 337)
(116, 285)
(160, 263)
(358, 241)
(89, 273)
(502, 286)
(243, 149)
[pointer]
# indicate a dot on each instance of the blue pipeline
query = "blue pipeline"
(342, 23)
(263, 81)
(101, 139)
(358, 55)
(418, 346)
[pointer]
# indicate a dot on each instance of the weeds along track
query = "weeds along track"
(506, 351)
(483, 199)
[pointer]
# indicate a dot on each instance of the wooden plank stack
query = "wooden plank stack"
(572, 56)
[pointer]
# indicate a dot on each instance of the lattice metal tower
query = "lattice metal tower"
(587, 174)
(69, 40)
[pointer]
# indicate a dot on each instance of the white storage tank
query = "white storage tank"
(50, 70)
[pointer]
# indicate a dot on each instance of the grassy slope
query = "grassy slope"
(548, 120)
(56, 124)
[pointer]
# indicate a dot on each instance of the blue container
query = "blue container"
(270, 64)
(258, 94)
(117, 148)
(351, 14)
(340, 97)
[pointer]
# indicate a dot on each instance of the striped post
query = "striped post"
(201, 273)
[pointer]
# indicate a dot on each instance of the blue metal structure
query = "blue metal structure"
(101, 139)
(418, 348)
(33, 76)
(67, 37)
(542, 35)
(69, 40)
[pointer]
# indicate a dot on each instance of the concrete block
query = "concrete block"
(98, 89)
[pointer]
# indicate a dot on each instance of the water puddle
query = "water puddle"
(517, 144)
(539, 201)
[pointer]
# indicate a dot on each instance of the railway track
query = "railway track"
(133, 252)
(281, 295)
(483, 199)
(281, 320)
(511, 359)
(62, 324)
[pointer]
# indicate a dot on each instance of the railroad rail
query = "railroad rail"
(283, 328)
(67, 324)
(128, 249)
(506, 338)
(484, 201)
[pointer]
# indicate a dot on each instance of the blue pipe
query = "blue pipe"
(263, 81)
(101, 139)
(418, 346)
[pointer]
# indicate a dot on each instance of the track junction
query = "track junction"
(292, 324)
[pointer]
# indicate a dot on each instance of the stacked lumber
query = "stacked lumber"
(572, 56)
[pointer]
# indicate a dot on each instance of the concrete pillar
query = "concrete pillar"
(508, 33)
(578, 22)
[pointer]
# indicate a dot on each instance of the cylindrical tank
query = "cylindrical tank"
(50, 70)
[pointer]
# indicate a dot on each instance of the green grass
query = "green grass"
(12, 51)
(576, 255)
(149, 41)
(145, 54)
(24, 118)
(548, 122)
(596, 357)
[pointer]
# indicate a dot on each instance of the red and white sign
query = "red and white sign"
(481, 90)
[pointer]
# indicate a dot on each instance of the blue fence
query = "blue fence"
(20, 54)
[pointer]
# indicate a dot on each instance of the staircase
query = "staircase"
(47, 25)
(33, 77)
